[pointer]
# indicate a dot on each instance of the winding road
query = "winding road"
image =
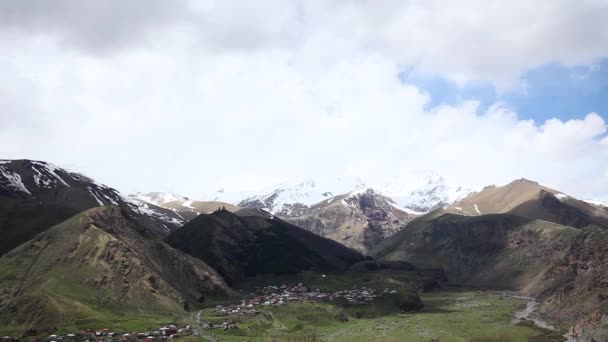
(198, 329)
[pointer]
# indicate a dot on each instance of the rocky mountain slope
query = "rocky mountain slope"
(530, 199)
(243, 246)
(359, 219)
(495, 251)
(36, 195)
(99, 262)
(577, 284)
(524, 237)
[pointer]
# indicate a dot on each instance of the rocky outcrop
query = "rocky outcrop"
(360, 219)
(577, 284)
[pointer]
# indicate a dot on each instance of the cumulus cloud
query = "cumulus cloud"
(493, 41)
(245, 97)
(96, 26)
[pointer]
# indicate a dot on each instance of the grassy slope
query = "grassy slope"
(448, 316)
(87, 270)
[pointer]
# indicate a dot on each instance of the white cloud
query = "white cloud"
(243, 98)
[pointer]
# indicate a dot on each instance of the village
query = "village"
(284, 294)
(169, 331)
(268, 296)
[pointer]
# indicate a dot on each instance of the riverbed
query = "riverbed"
(530, 313)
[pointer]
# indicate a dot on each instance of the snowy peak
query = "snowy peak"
(181, 206)
(48, 183)
(39, 179)
(370, 198)
(159, 198)
(435, 193)
(293, 200)
(285, 198)
(357, 219)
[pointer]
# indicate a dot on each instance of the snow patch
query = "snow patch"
(477, 209)
(49, 169)
(13, 179)
(561, 196)
(99, 201)
(142, 207)
(406, 210)
(597, 202)
(159, 198)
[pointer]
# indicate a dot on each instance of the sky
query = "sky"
(194, 96)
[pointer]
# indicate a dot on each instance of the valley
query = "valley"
(519, 262)
(448, 315)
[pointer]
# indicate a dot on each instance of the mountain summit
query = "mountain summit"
(36, 195)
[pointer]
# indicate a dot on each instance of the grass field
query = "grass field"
(447, 316)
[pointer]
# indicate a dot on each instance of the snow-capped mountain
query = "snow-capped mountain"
(358, 219)
(180, 205)
(158, 198)
(49, 183)
(285, 199)
(431, 192)
(435, 193)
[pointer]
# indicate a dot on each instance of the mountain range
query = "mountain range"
(75, 250)
(358, 218)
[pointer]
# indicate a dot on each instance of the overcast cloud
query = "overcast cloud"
(192, 97)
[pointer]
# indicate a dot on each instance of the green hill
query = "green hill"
(99, 265)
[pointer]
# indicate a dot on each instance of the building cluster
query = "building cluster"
(285, 294)
(169, 331)
(228, 324)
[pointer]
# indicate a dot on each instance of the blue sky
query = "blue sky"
(549, 91)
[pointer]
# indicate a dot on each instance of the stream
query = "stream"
(529, 313)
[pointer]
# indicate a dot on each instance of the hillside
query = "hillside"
(529, 199)
(577, 284)
(359, 219)
(243, 246)
(493, 251)
(565, 268)
(36, 195)
(99, 263)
